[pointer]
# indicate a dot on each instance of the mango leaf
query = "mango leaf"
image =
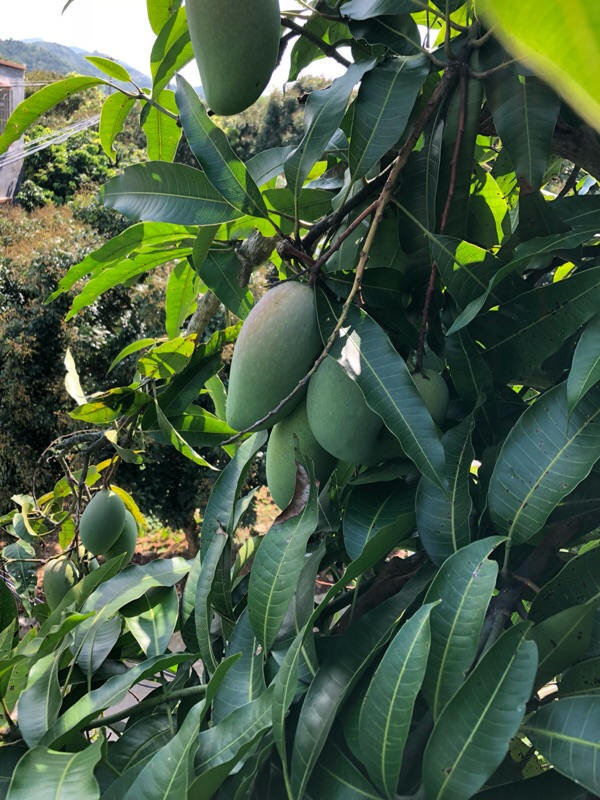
(585, 369)
(386, 712)
(123, 272)
(223, 741)
(147, 235)
(172, 49)
(443, 519)
(115, 110)
(464, 585)
(152, 619)
(306, 49)
(522, 256)
(526, 331)
(167, 359)
(470, 275)
(162, 131)
(205, 786)
(27, 112)
(562, 640)
(369, 358)
(197, 427)
(162, 192)
(185, 388)
(50, 775)
(109, 406)
(245, 681)
(39, 703)
(170, 772)
(220, 509)
(488, 221)
(139, 740)
(173, 437)
(209, 144)
(472, 733)
(280, 558)
(109, 694)
(268, 164)
(337, 778)
(20, 564)
(110, 68)
(111, 596)
(339, 673)
(398, 32)
(544, 457)
(525, 112)
(385, 100)
(323, 114)
(202, 608)
(583, 678)
(370, 508)
(180, 297)
(550, 44)
(567, 733)
(220, 271)
(365, 9)
(578, 582)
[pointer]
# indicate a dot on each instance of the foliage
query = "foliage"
(454, 652)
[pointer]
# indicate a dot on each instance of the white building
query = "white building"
(12, 92)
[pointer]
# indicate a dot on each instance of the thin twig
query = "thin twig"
(445, 213)
(150, 702)
(329, 49)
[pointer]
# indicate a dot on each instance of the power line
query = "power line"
(56, 137)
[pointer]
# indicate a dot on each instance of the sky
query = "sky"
(118, 28)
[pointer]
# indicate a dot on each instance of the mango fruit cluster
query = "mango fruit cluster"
(106, 528)
(236, 45)
(331, 420)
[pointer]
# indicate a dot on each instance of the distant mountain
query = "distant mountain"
(52, 57)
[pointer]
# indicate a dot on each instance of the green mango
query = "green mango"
(434, 391)
(281, 455)
(236, 45)
(127, 541)
(59, 576)
(339, 416)
(102, 522)
(278, 344)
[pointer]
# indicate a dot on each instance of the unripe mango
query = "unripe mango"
(236, 44)
(59, 576)
(278, 344)
(386, 447)
(434, 391)
(102, 522)
(339, 416)
(281, 455)
(126, 542)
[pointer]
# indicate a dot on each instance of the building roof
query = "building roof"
(13, 64)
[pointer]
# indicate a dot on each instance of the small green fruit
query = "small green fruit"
(339, 416)
(102, 522)
(277, 346)
(59, 576)
(281, 455)
(126, 542)
(236, 44)
(432, 388)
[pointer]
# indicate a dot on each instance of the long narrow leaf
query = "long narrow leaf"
(209, 144)
(386, 712)
(545, 456)
(472, 733)
(567, 733)
(464, 585)
(162, 192)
